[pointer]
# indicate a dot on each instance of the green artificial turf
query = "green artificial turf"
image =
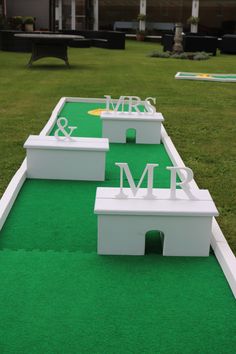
(58, 296)
(69, 303)
(77, 115)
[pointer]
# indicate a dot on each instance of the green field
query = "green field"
(58, 296)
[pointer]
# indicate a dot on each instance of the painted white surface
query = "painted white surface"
(123, 223)
(10, 194)
(135, 186)
(107, 203)
(125, 234)
(47, 142)
(64, 131)
(143, 117)
(195, 13)
(147, 126)
(60, 14)
(117, 108)
(96, 15)
(53, 118)
(143, 6)
(73, 14)
(143, 10)
(80, 159)
(224, 255)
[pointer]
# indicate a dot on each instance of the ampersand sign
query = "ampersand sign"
(62, 123)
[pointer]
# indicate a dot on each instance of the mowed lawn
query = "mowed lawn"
(199, 116)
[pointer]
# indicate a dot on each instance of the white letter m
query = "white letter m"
(149, 169)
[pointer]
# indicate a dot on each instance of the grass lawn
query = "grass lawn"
(200, 116)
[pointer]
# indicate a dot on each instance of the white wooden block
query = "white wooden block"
(147, 126)
(123, 223)
(77, 159)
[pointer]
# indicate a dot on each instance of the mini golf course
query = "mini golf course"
(206, 77)
(58, 296)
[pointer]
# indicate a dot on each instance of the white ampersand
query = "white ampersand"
(62, 123)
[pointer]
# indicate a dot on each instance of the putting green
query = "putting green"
(58, 296)
(206, 76)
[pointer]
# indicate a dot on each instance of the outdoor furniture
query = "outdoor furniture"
(167, 42)
(100, 39)
(192, 43)
(48, 45)
(195, 43)
(160, 26)
(80, 43)
(10, 43)
(107, 39)
(125, 25)
(134, 25)
(228, 44)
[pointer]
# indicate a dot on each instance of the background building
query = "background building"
(216, 17)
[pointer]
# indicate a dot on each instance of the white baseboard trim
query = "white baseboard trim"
(224, 255)
(11, 192)
(50, 124)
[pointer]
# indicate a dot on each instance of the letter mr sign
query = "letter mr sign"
(183, 215)
(149, 170)
(130, 112)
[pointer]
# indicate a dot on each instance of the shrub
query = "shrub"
(28, 20)
(192, 20)
(201, 56)
(3, 22)
(157, 54)
(141, 17)
(16, 22)
(194, 56)
(176, 56)
(183, 56)
(179, 56)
